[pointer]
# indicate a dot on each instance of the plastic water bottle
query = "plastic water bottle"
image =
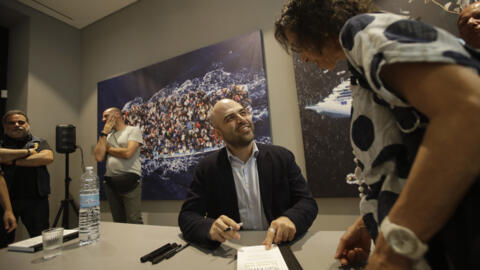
(89, 213)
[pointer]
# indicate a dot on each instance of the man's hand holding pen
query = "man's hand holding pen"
(224, 228)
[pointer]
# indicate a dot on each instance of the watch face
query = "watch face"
(402, 242)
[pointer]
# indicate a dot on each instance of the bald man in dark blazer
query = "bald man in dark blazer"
(212, 211)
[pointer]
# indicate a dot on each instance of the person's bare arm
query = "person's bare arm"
(447, 161)
(446, 164)
(4, 197)
(8, 155)
(101, 149)
(41, 158)
(124, 152)
(9, 221)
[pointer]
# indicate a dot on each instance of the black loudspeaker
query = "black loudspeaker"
(65, 138)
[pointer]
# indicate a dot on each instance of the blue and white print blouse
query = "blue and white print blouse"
(377, 134)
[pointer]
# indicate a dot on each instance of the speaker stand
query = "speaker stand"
(64, 203)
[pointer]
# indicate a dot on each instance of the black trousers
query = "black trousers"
(457, 245)
(34, 214)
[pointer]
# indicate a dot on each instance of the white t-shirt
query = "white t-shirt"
(119, 166)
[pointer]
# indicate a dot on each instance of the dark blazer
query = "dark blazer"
(212, 193)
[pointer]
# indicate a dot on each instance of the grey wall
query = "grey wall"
(65, 64)
(44, 81)
(18, 65)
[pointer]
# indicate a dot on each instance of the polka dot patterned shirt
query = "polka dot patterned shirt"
(385, 130)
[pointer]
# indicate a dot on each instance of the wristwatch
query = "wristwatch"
(403, 240)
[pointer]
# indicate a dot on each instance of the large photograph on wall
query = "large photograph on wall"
(324, 100)
(170, 101)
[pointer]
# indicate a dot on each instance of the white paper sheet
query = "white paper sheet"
(258, 258)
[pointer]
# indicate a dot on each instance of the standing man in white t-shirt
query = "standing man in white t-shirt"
(120, 144)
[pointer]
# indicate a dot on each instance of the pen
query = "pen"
(229, 228)
(156, 252)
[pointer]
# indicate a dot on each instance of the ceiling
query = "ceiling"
(78, 13)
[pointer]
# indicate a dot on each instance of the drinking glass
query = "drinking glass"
(52, 240)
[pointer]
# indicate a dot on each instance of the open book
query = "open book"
(35, 243)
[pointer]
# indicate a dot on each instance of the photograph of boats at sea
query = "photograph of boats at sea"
(170, 101)
(325, 102)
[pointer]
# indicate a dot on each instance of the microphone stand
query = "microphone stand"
(64, 203)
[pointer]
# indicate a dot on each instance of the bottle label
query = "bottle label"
(89, 200)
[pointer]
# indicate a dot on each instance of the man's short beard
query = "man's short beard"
(24, 133)
(25, 136)
(237, 140)
(241, 142)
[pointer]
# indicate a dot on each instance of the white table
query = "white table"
(122, 245)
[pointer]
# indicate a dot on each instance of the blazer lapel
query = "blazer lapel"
(229, 192)
(264, 166)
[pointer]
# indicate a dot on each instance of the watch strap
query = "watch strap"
(414, 249)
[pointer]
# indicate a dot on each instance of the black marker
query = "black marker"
(177, 250)
(156, 252)
(165, 254)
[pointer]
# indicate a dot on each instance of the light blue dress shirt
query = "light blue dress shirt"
(245, 175)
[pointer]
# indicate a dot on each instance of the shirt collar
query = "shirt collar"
(233, 157)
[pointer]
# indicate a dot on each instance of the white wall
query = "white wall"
(151, 31)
